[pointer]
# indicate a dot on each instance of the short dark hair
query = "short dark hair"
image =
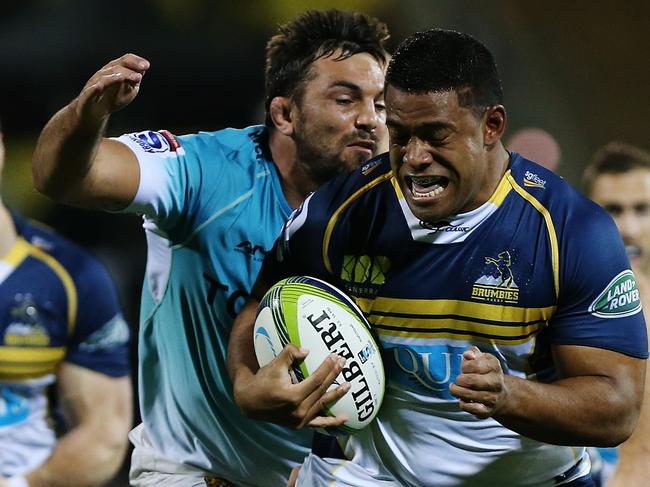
(439, 60)
(614, 158)
(314, 35)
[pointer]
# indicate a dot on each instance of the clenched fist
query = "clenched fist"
(480, 386)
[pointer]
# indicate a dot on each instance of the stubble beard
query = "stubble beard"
(320, 161)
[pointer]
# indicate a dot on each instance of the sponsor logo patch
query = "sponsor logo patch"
(370, 166)
(532, 180)
(151, 141)
(363, 274)
(443, 226)
(256, 252)
(113, 334)
(620, 298)
(365, 353)
(171, 139)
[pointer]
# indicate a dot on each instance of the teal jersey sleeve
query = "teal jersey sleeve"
(170, 180)
(188, 181)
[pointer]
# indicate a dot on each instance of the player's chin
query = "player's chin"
(354, 159)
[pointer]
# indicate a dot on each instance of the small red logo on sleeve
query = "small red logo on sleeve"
(171, 139)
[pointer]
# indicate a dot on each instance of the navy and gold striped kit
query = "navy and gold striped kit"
(57, 304)
(537, 265)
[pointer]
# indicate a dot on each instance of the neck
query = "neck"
(8, 234)
(498, 162)
(297, 183)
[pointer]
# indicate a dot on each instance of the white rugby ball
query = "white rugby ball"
(313, 314)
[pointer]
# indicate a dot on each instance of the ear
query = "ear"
(280, 112)
(494, 124)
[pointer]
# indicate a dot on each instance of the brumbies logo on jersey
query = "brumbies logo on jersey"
(25, 328)
(497, 284)
(150, 141)
(620, 298)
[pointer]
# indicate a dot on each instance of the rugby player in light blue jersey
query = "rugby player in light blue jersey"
(213, 204)
(503, 300)
(62, 336)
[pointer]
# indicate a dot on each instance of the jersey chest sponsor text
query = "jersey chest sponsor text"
(430, 370)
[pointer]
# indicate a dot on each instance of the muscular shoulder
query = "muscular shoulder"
(572, 215)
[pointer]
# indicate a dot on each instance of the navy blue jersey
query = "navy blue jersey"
(536, 265)
(57, 304)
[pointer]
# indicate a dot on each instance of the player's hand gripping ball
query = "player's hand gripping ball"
(313, 314)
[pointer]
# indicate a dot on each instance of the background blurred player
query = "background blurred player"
(61, 326)
(618, 179)
(509, 320)
(537, 145)
(213, 204)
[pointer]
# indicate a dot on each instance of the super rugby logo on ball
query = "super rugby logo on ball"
(313, 314)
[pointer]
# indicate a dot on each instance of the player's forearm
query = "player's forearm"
(587, 410)
(86, 456)
(65, 152)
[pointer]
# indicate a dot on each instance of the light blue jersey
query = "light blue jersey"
(213, 206)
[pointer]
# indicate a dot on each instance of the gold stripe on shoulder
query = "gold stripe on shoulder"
(335, 216)
(18, 252)
(66, 279)
(555, 253)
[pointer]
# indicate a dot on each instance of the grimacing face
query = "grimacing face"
(340, 121)
(626, 197)
(438, 153)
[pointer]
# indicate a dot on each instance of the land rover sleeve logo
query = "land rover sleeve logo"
(620, 298)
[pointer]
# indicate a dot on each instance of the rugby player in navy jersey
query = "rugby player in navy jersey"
(61, 328)
(213, 204)
(503, 300)
(618, 179)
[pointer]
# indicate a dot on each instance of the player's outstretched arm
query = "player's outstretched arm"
(595, 403)
(72, 162)
(267, 393)
(93, 450)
